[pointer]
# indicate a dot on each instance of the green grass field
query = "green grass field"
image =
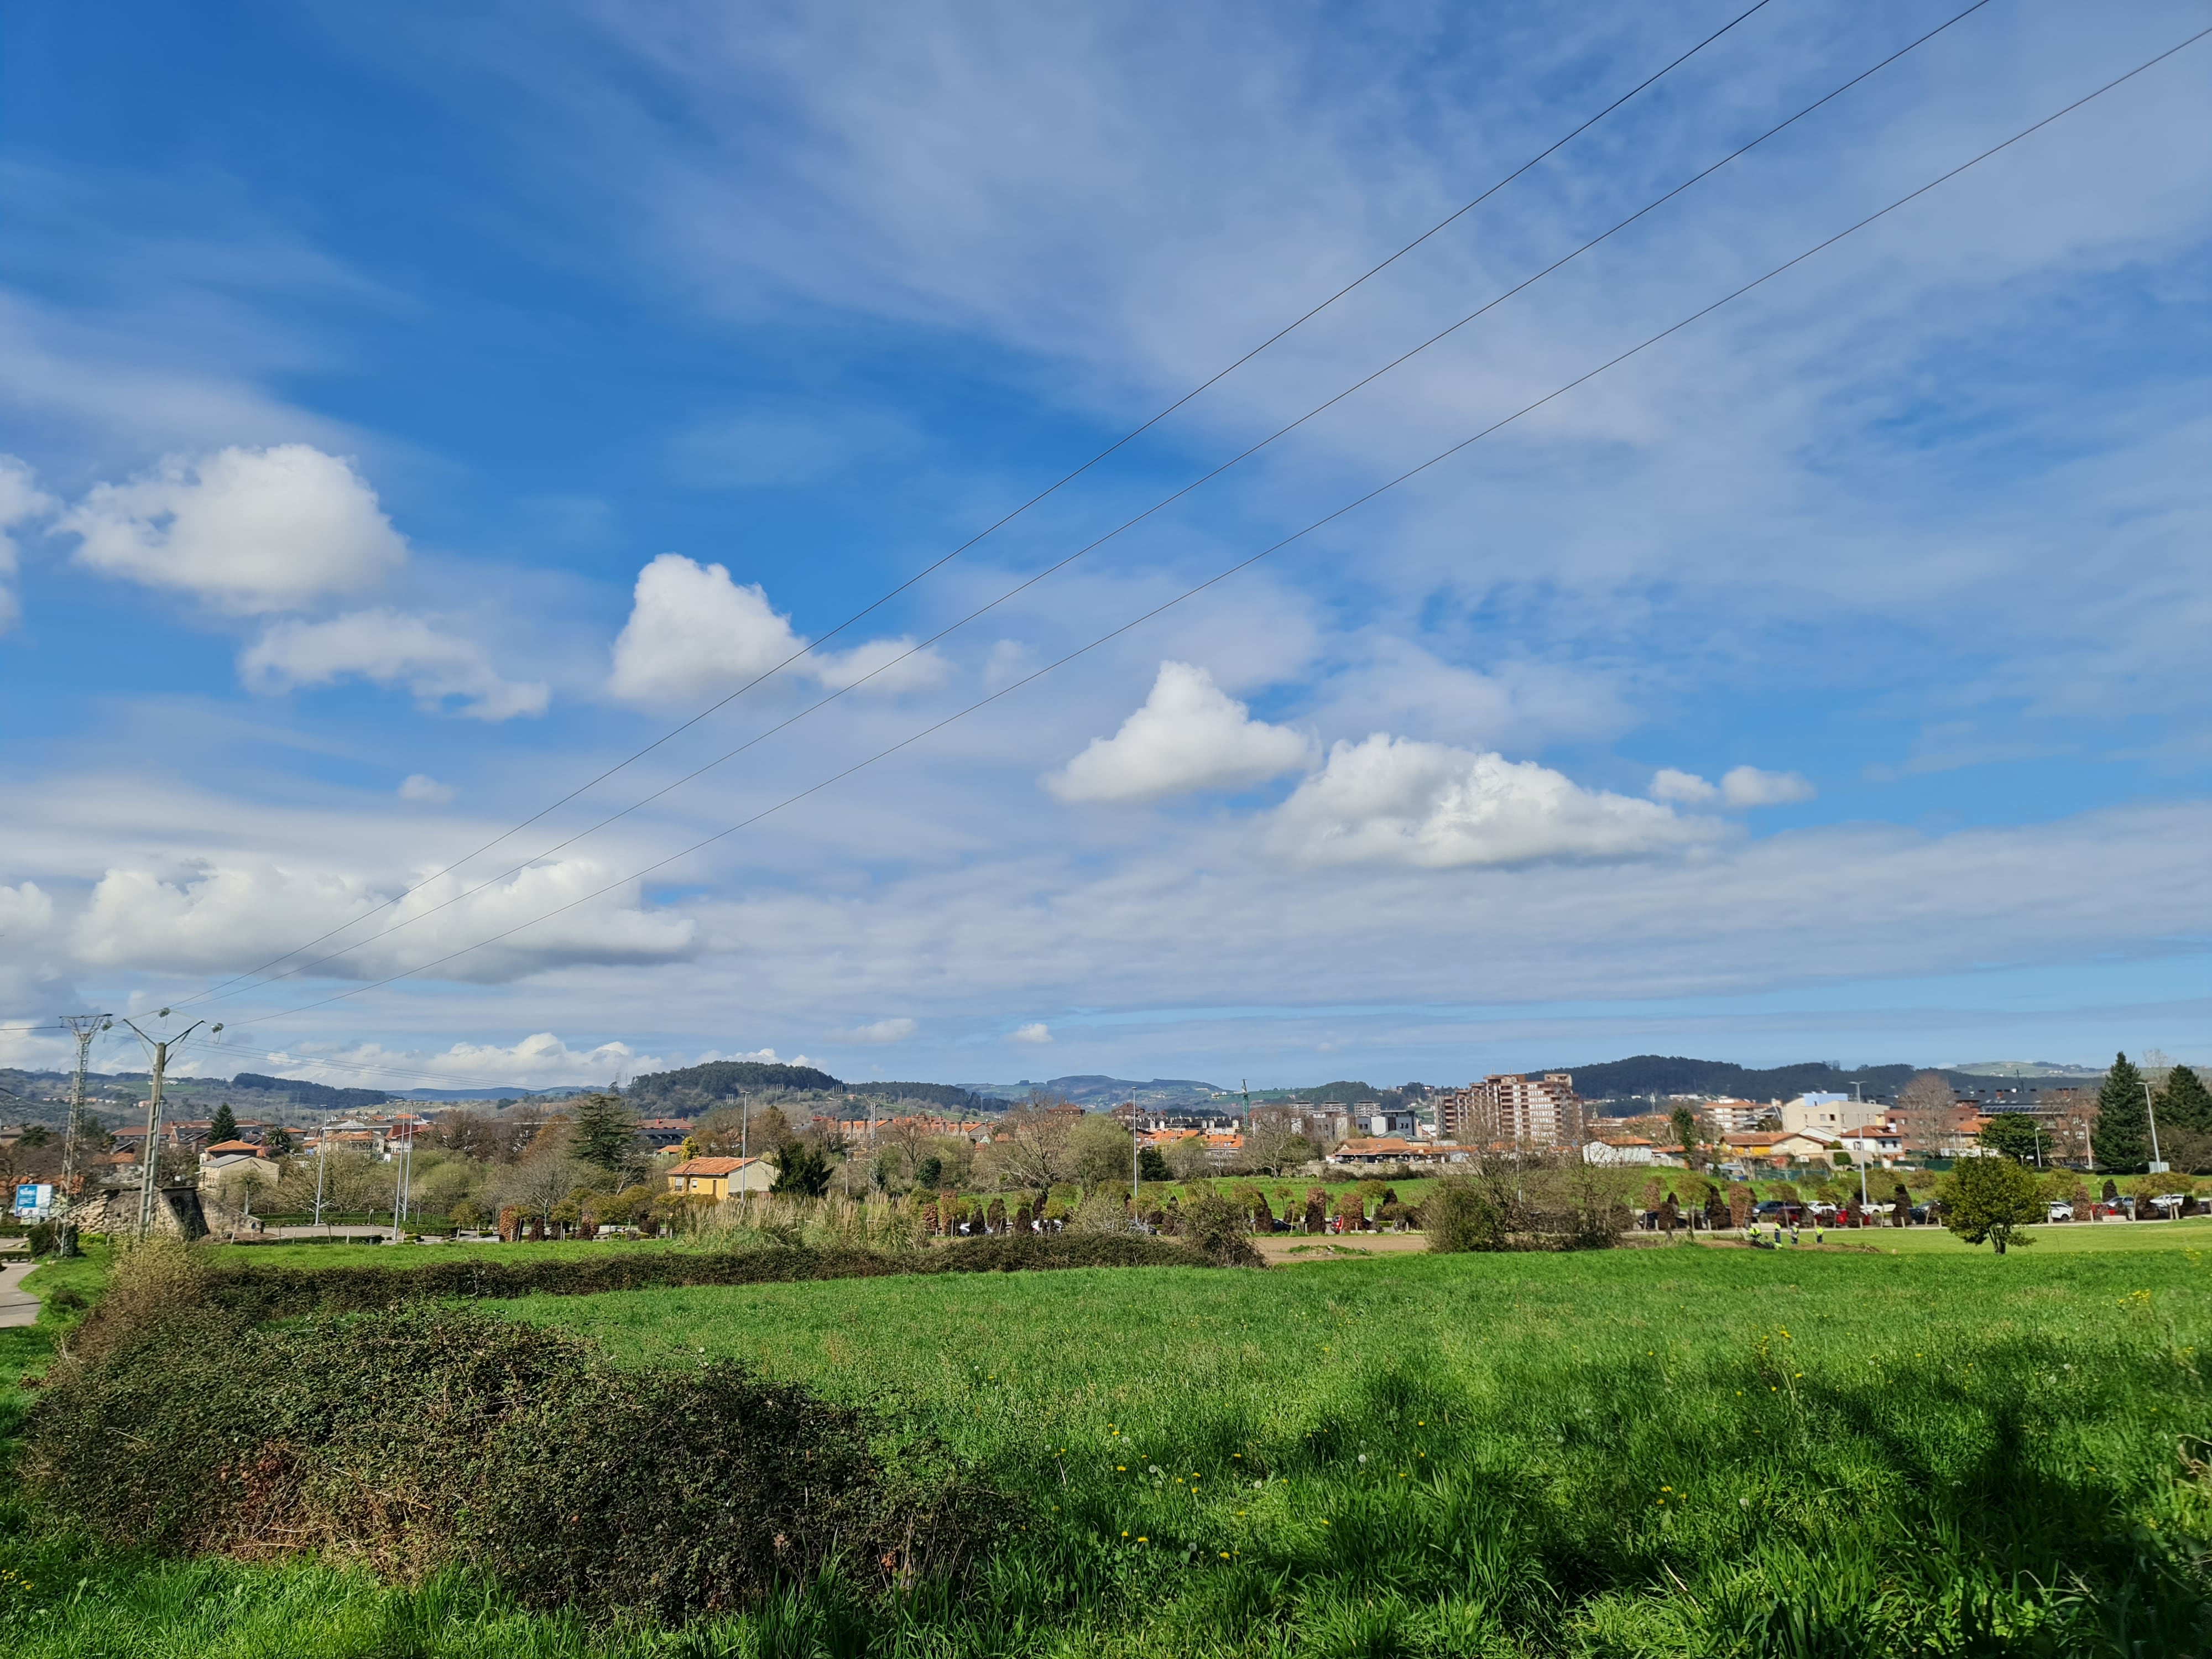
(1639, 1452)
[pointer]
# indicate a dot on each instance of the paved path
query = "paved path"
(17, 1305)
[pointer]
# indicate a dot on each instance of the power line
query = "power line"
(1049, 491)
(219, 993)
(1252, 559)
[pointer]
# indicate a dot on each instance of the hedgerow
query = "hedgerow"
(271, 1292)
(422, 1438)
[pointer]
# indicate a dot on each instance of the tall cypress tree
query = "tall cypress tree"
(603, 1132)
(2121, 1139)
(2185, 1103)
(224, 1126)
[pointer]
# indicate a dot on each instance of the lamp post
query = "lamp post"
(2157, 1163)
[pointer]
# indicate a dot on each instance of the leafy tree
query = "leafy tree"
(280, 1142)
(1991, 1199)
(602, 1133)
(801, 1169)
(2185, 1102)
(1686, 1132)
(224, 1126)
(929, 1173)
(2122, 1138)
(1100, 1150)
(1150, 1166)
(2016, 1135)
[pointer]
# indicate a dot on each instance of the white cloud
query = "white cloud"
(27, 912)
(226, 916)
(881, 1030)
(1036, 1031)
(694, 633)
(1188, 735)
(390, 649)
(247, 529)
(20, 499)
(1397, 800)
(1742, 786)
(538, 1061)
(895, 665)
(422, 786)
(1747, 786)
(1669, 784)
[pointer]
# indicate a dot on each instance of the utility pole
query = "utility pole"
(85, 1028)
(322, 1160)
(149, 1159)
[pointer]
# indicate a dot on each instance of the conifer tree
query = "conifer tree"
(602, 1133)
(2121, 1139)
(223, 1127)
(2185, 1103)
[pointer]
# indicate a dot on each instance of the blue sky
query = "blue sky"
(411, 415)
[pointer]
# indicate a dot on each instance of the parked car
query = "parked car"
(2060, 1212)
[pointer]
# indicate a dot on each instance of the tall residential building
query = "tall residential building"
(1515, 1107)
(1737, 1117)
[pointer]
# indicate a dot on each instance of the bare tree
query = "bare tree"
(538, 1184)
(1924, 1109)
(1032, 1147)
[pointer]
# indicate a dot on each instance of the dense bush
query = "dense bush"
(269, 1292)
(1563, 1205)
(1216, 1225)
(418, 1439)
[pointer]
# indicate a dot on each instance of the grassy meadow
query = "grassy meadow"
(1672, 1451)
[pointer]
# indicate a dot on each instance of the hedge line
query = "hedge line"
(422, 1438)
(272, 1292)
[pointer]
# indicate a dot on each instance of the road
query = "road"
(17, 1306)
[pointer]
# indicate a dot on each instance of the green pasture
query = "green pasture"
(1645, 1451)
(1655, 1451)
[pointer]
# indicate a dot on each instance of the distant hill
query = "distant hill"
(693, 1087)
(1095, 1088)
(944, 1096)
(1673, 1074)
(303, 1093)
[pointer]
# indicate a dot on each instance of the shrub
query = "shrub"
(1215, 1225)
(411, 1441)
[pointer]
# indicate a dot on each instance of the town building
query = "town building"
(1778, 1146)
(721, 1177)
(1830, 1116)
(1514, 1108)
(1737, 1117)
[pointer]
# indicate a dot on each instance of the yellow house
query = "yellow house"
(721, 1177)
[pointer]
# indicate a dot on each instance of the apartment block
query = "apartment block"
(1514, 1107)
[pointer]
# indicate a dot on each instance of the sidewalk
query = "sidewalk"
(18, 1307)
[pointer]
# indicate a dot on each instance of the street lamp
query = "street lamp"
(2157, 1163)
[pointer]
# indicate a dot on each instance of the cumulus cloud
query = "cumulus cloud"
(247, 529)
(1401, 801)
(422, 786)
(694, 633)
(27, 912)
(1036, 1031)
(388, 647)
(1189, 735)
(224, 916)
(881, 1030)
(1743, 785)
(20, 501)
